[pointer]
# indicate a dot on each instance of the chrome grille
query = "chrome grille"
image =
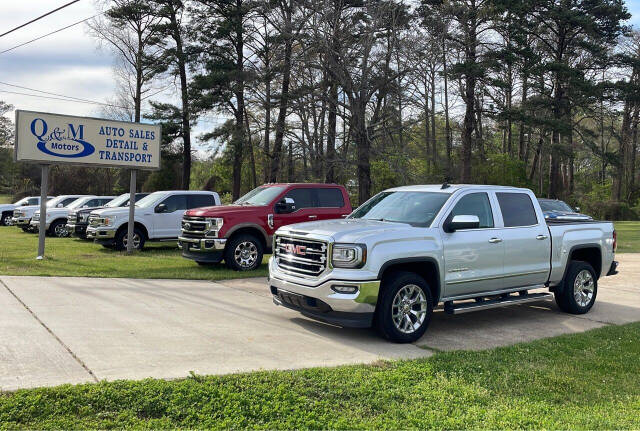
(17, 213)
(72, 217)
(301, 256)
(195, 227)
(95, 220)
(36, 217)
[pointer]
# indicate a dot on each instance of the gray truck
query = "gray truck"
(409, 249)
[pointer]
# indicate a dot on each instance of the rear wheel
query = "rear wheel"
(243, 252)
(579, 290)
(5, 220)
(405, 307)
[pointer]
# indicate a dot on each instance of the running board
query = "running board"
(467, 307)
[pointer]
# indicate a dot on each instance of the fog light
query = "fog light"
(344, 289)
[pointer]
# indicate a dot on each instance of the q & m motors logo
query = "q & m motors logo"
(67, 142)
(300, 250)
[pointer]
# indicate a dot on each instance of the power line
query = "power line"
(53, 94)
(40, 17)
(49, 34)
(61, 98)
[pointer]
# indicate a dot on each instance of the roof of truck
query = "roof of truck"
(450, 188)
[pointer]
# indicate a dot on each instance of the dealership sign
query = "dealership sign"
(53, 138)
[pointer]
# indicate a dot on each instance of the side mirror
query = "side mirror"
(462, 222)
(162, 208)
(577, 209)
(59, 206)
(285, 206)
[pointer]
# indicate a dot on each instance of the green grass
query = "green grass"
(628, 236)
(5, 199)
(75, 257)
(583, 381)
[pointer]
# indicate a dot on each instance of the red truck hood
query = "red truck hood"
(222, 210)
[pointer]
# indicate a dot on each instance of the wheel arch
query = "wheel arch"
(252, 229)
(136, 224)
(426, 267)
(590, 253)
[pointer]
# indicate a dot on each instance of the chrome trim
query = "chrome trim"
(501, 303)
(492, 292)
(497, 277)
(218, 244)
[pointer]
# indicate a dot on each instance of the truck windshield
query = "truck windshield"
(548, 205)
(414, 208)
(149, 200)
(78, 203)
(117, 202)
(260, 196)
(55, 201)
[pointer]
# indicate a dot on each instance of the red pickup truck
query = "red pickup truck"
(241, 233)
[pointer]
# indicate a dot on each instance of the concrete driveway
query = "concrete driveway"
(74, 330)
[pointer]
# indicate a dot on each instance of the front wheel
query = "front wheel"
(580, 288)
(243, 253)
(59, 229)
(121, 240)
(405, 307)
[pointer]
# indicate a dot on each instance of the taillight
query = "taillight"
(615, 240)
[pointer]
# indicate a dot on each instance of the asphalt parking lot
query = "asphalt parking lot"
(56, 330)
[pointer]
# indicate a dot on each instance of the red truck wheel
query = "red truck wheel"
(243, 252)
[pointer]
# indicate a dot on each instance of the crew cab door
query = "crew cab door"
(305, 208)
(167, 216)
(527, 245)
(330, 203)
(473, 258)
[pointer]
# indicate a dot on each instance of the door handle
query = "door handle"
(313, 217)
(541, 237)
(495, 240)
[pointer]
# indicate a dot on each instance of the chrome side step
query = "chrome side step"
(467, 307)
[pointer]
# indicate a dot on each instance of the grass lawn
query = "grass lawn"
(585, 381)
(628, 236)
(5, 199)
(75, 257)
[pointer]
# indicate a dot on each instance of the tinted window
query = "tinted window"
(517, 209)
(476, 204)
(175, 203)
(92, 203)
(67, 201)
(303, 198)
(199, 201)
(33, 201)
(330, 198)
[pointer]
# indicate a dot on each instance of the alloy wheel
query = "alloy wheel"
(136, 240)
(246, 254)
(61, 231)
(583, 288)
(409, 309)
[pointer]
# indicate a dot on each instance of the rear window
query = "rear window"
(303, 198)
(330, 198)
(199, 201)
(517, 209)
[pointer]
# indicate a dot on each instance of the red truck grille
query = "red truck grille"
(301, 256)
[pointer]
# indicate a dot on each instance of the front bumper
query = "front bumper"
(21, 221)
(101, 233)
(77, 229)
(323, 303)
(201, 245)
(35, 224)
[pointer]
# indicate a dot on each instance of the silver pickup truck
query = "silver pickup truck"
(408, 249)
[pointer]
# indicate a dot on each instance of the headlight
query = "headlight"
(109, 221)
(216, 222)
(349, 255)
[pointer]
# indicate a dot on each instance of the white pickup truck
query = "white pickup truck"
(22, 215)
(158, 217)
(6, 210)
(408, 249)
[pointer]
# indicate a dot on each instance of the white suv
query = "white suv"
(157, 218)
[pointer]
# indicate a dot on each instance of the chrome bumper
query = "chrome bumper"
(21, 221)
(36, 224)
(100, 233)
(201, 245)
(364, 300)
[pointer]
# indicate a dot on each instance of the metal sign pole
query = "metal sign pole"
(44, 189)
(132, 209)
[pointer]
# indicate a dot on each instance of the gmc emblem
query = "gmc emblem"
(300, 250)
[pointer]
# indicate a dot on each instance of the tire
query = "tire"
(397, 288)
(579, 289)
(243, 252)
(58, 229)
(120, 241)
(5, 220)
(25, 229)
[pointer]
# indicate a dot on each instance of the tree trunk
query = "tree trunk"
(238, 132)
(331, 132)
(447, 126)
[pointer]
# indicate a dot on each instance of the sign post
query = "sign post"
(132, 210)
(44, 189)
(48, 139)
